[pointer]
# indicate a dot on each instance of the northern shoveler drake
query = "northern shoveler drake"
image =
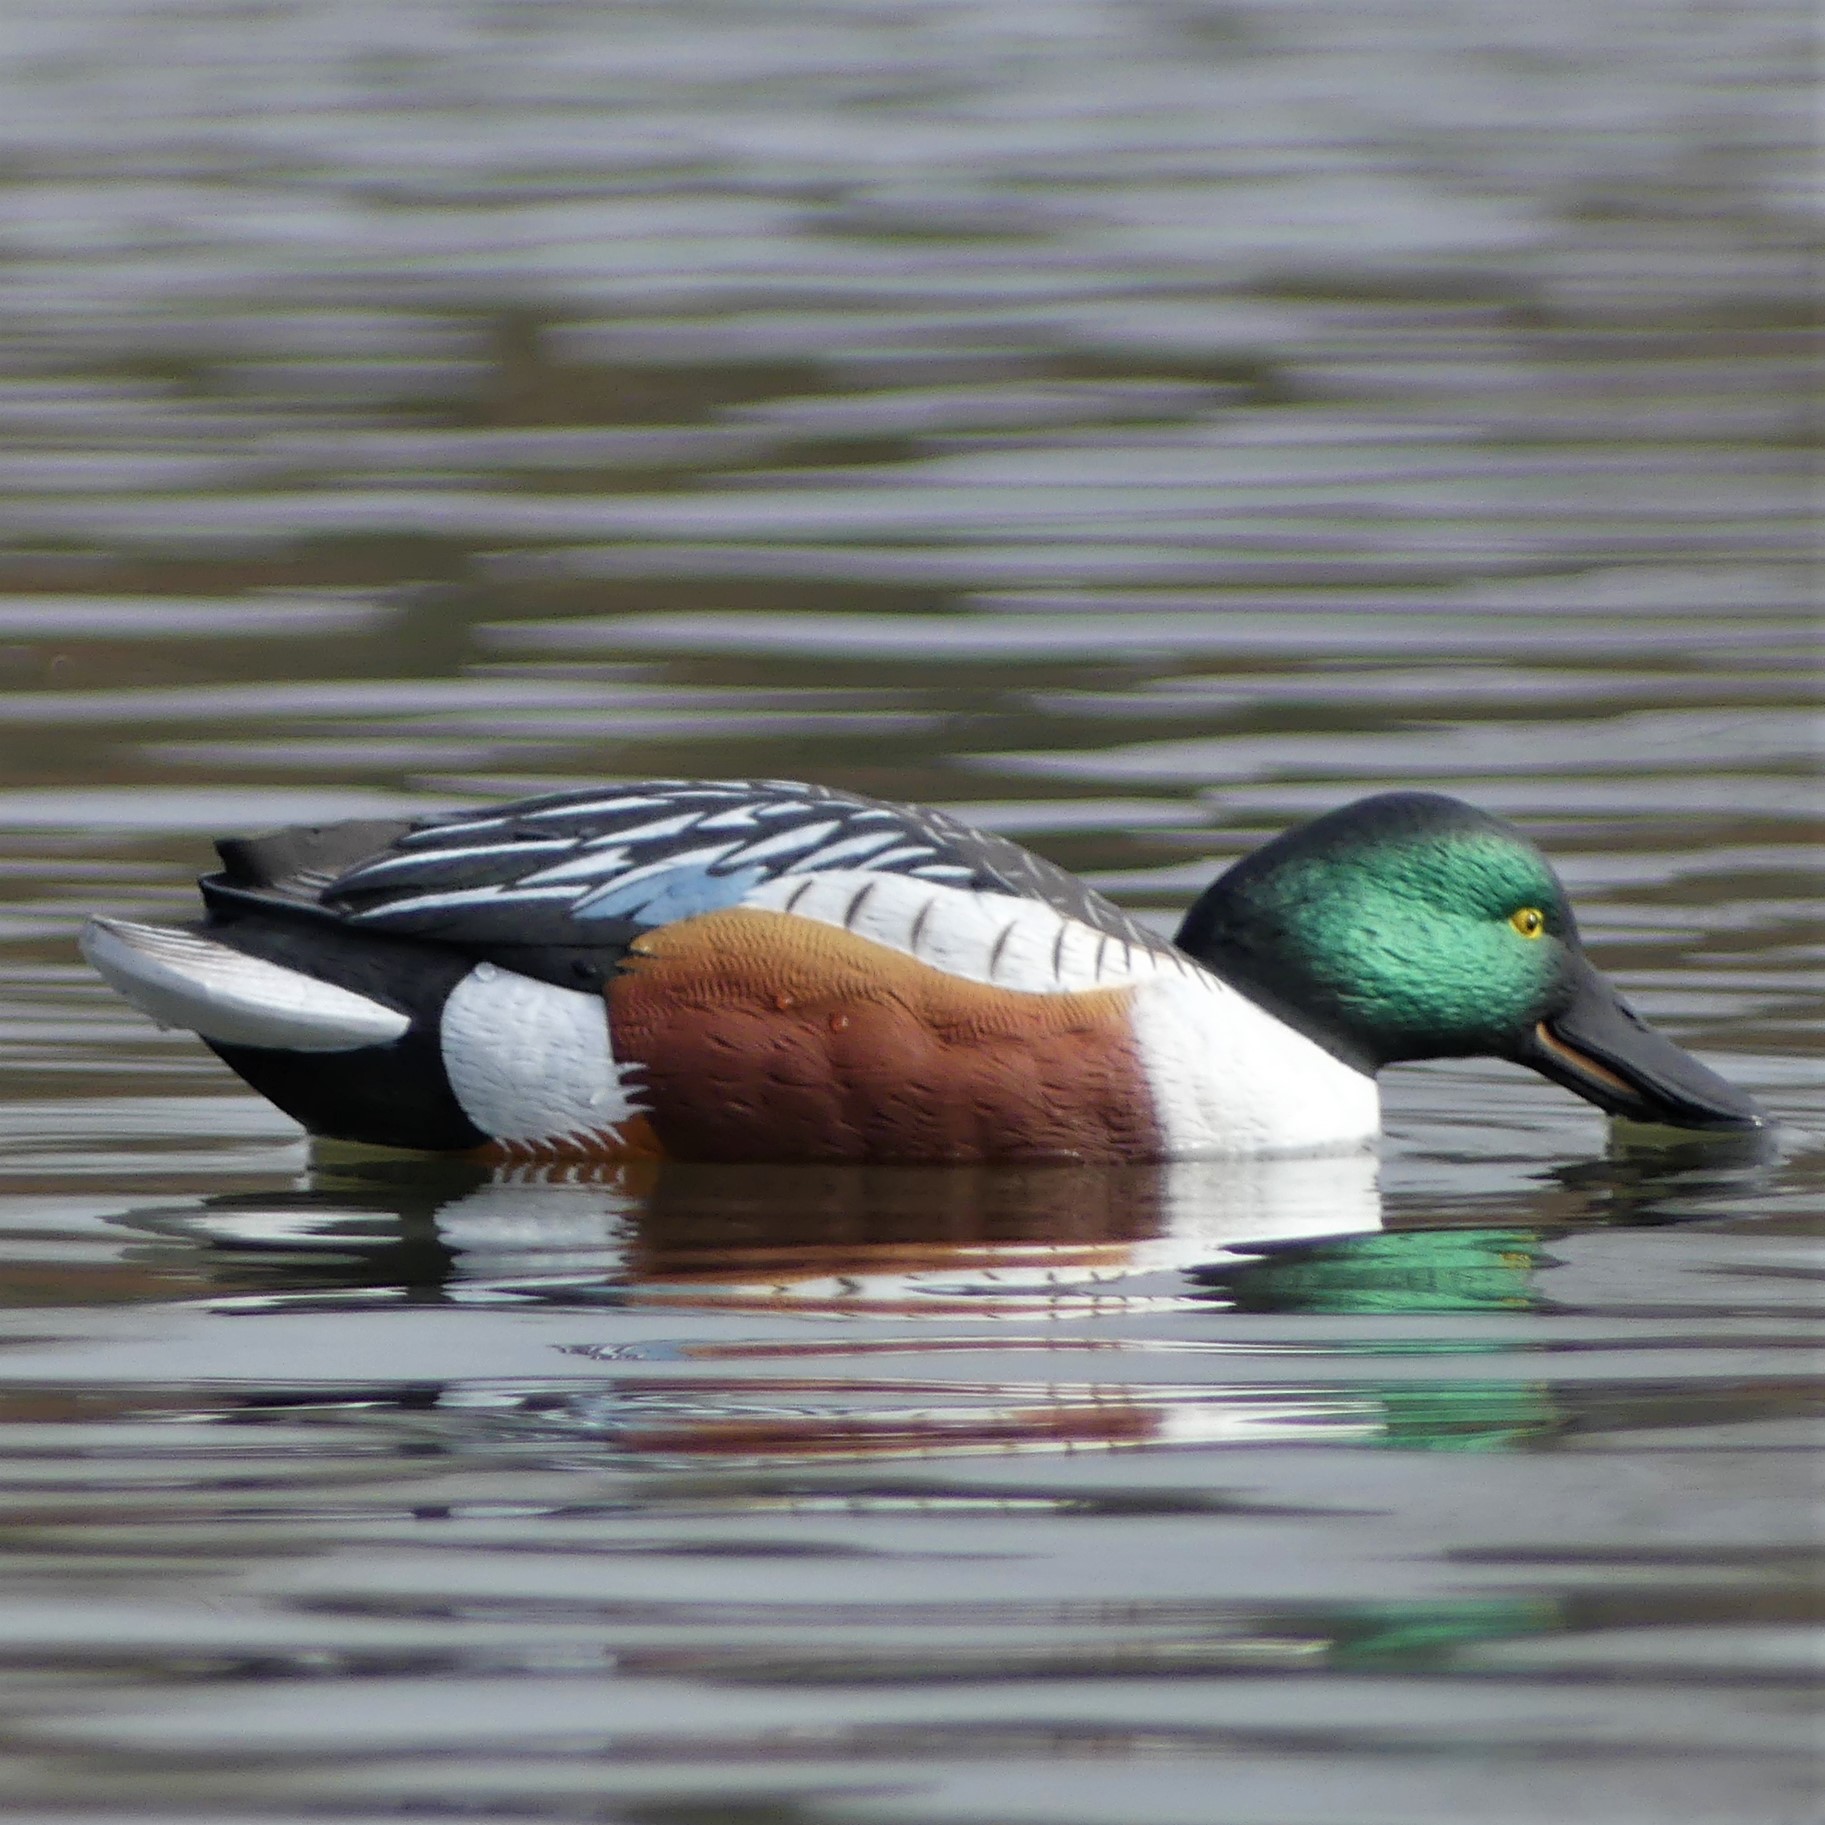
(762, 970)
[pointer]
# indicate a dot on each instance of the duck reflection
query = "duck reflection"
(716, 1246)
(985, 1238)
(1068, 1264)
(1307, 1235)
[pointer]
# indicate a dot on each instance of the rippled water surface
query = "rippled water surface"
(1136, 427)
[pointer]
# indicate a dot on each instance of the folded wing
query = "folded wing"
(558, 887)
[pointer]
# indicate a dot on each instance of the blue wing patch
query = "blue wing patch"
(676, 893)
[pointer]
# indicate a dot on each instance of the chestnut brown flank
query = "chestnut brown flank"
(767, 1037)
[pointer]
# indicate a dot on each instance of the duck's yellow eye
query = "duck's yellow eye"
(1529, 921)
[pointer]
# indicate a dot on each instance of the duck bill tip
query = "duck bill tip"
(1599, 1048)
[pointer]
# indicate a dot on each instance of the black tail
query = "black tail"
(299, 862)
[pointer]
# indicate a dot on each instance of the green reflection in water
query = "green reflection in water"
(1470, 1416)
(1409, 1634)
(1440, 1270)
(1409, 1274)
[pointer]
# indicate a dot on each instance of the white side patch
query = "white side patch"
(532, 1062)
(185, 980)
(1229, 1079)
(994, 938)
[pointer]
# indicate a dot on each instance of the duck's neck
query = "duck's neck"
(1218, 935)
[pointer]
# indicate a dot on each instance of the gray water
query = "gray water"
(1133, 426)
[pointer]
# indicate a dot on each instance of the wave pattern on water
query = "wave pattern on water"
(1136, 428)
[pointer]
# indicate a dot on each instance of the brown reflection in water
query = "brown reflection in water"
(1122, 1418)
(789, 1223)
(1021, 1247)
(990, 1240)
(1024, 1245)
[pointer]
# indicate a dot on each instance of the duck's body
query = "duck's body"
(754, 970)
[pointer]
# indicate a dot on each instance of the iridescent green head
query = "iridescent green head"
(1415, 926)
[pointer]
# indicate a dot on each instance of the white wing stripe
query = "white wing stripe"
(903, 854)
(518, 816)
(602, 807)
(805, 836)
(415, 860)
(644, 833)
(466, 896)
(582, 871)
(850, 849)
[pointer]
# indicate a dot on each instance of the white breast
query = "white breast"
(1229, 1079)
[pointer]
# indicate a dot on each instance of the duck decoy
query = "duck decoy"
(759, 970)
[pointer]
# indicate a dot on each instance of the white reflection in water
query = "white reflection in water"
(906, 1236)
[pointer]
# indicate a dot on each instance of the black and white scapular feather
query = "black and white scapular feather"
(556, 887)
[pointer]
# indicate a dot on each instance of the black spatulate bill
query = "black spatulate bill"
(1598, 1046)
